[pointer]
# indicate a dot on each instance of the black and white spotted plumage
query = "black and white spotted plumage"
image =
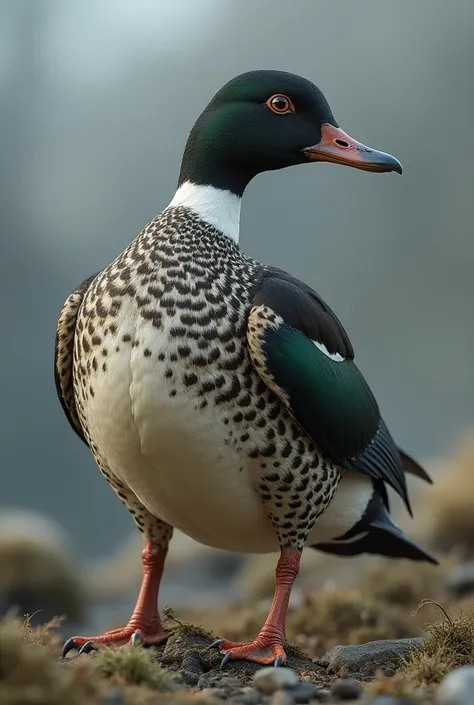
(177, 309)
(187, 288)
(220, 395)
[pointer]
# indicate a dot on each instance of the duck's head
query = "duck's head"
(264, 120)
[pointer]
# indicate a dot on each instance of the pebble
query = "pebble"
(457, 688)
(282, 697)
(213, 693)
(216, 680)
(460, 582)
(392, 700)
(114, 697)
(323, 694)
(249, 695)
(303, 692)
(369, 658)
(189, 677)
(346, 689)
(269, 680)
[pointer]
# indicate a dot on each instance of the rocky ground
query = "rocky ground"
(361, 630)
(187, 670)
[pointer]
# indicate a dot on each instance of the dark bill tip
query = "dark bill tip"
(337, 147)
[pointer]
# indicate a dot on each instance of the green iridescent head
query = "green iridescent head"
(264, 120)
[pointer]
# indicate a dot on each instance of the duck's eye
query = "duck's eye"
(280, 104)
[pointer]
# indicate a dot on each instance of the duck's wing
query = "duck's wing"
(63, 353)
(302, 352)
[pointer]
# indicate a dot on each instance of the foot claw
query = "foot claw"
(117, 637)
(261, 651)
(226, 659)
(69, 645)
(136, 639)
(215, 643)
(88, 647)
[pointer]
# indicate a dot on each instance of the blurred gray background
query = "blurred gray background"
(96, 100)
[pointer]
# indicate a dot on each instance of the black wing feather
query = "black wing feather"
(330, 399)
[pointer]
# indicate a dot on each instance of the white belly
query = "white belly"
(174, 458)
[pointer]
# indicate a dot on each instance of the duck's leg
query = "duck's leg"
(268, 647)
(144, 626)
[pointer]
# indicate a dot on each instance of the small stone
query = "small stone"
(213, 693)
(189, 677)
(421, 693)
(203, 681)
(303, 692)
(250, 696)
(346, 689)
(460, 582)
(270, 679)
(282, 697)
(369, 658)
(457, 688)
(114, 697)
(229, 682)
(217, 680)
(387, 672)
(392, 700)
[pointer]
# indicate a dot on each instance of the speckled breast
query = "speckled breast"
(170, 402)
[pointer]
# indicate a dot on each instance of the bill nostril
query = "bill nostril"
(342, 143)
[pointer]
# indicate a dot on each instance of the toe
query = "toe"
(69, 645)
(256, 651)
(136, 639)
(88, 647)
(226, 659)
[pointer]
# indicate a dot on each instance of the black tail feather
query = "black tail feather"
(413, 468)
(376, 533)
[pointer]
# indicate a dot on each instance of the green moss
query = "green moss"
(175, 626)
(295, 650)
(133, 665)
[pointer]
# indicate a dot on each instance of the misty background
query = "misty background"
(97, 98)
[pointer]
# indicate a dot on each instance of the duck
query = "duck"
(219, 395)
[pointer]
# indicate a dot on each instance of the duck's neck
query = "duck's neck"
(216, 206)
(212, 180)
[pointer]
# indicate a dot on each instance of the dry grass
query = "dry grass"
(449, 644)
(398, 686)
(295, 650)
(344, 617)
(447, 512)
(32, 674)
(404, 583)
(176, 626)
(324, 619)
(42, 635)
